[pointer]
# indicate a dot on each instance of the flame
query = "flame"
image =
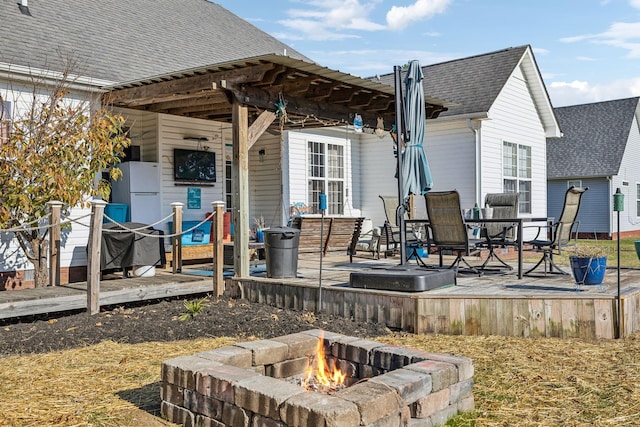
(320, 375)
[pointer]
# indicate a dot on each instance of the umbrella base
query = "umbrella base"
(403, 279)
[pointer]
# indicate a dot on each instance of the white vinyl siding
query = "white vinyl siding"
(629, 173)
(169, 133)
(514, 118)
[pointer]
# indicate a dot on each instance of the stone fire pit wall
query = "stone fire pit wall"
(249, 384)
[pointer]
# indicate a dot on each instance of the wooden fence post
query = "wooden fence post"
(93, 261)
(218, 247)
(54, 242)
(176, 241)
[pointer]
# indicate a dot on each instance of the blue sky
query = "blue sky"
(587, 50)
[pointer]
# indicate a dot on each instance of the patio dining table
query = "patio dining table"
(422, 241)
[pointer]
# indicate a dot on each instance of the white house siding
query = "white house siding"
(73, 241)
(143, 132)
(450, 148)
(514, 118)
(171, 131)
(266, 198)
(629, 173)
(377, 175)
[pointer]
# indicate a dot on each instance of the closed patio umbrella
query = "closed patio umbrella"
(416, 175)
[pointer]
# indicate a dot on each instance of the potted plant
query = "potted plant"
(588, 264)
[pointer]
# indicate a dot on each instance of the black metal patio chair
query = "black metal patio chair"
(499, 234)
(560, 234)
(448, 229)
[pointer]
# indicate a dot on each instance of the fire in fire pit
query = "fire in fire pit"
(321, 376)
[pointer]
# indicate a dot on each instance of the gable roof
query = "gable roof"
(474, 83)
(119, 41)
(594, 139)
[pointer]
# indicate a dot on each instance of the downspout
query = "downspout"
(474, 125)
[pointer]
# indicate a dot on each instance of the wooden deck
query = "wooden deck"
(488, 305)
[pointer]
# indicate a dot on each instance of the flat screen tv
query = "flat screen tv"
(194, 166)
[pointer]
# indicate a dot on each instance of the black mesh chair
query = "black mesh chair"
(448, 229)
(499, 234)
(560, 234)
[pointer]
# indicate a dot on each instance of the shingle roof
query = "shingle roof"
(473, 82)
(594, 139)
(123, 40)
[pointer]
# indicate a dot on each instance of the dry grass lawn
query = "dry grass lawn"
(518, 382)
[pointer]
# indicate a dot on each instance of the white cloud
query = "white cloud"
(539, 51)
(620, 34)
(634, 3)
(581, 92)
(368, 62)
(400, 17)
(330, 20)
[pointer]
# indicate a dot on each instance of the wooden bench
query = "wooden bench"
(339, 234)
(204, 253)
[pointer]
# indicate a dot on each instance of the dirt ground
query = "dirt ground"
(159, 320)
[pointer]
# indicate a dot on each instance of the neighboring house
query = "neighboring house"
(599, 149)
(493, 141)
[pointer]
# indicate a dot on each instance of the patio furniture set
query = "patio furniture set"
(447, 230)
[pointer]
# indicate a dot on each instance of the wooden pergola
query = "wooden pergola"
(250, 93)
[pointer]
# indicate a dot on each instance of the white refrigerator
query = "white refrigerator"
(139, 188)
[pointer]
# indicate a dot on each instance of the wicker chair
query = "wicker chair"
(560, 233)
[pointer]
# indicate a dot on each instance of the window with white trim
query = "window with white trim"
(574, 183)
(326, 175)
(638, 200)
(516, 173)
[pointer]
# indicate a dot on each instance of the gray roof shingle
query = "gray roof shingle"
(594, 139)
(118, 40)
(473, 83)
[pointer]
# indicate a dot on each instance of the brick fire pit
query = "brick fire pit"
(251, 384)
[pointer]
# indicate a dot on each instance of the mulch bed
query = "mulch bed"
(160, 321)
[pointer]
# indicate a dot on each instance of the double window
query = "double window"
(516, 172)
(326, 175)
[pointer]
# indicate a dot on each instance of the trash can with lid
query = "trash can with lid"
(281, 251)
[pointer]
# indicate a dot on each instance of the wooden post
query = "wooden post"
(218, 247)
(54, 243)
(176, 241)
(93, 261)
(240, 183)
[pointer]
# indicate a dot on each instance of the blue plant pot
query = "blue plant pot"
(637, 245)
(588, 271)
(260, 236)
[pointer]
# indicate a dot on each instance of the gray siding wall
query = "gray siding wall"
(594, 214)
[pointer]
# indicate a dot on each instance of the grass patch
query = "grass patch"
(518, 381)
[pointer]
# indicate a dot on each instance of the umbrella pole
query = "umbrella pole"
(400, 129)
